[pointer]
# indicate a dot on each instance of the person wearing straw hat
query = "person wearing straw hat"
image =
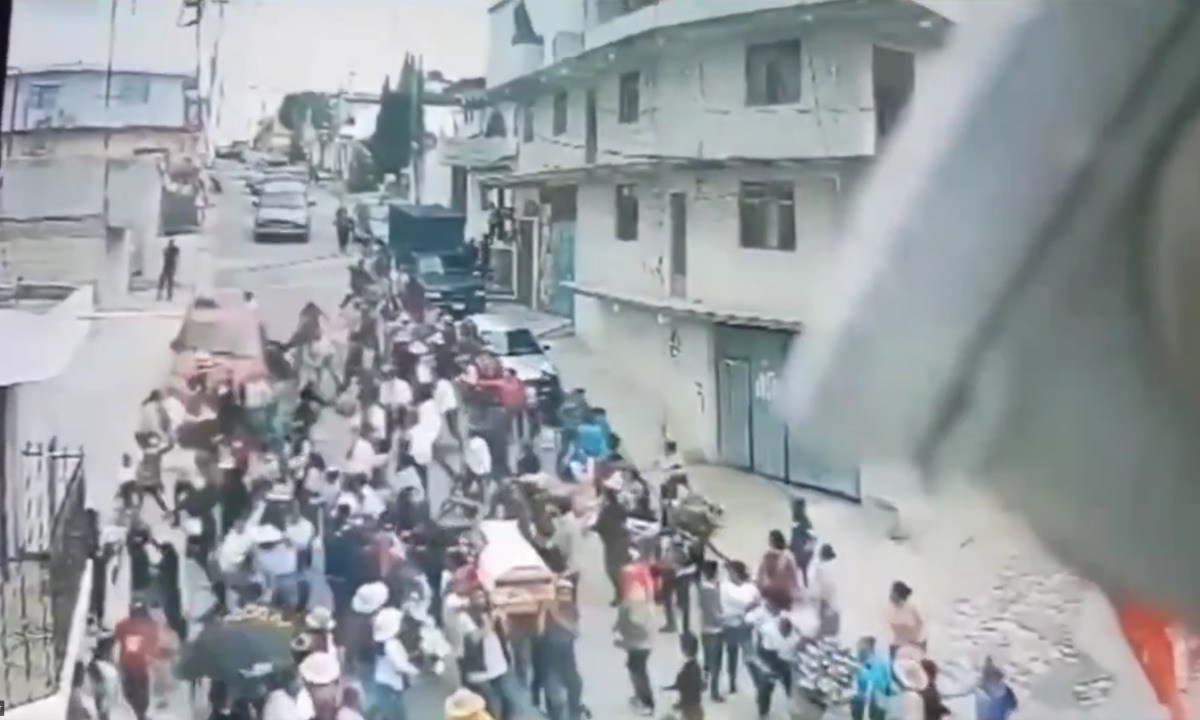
(466, 705)
(394, 670)
(357, 625)
(322, 673)
(319, 625)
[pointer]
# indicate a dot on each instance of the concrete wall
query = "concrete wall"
(73, 188)
(80, 101)
(678, 388)
(721, 274)
(121, 143)
(693, 105)
(35, 413)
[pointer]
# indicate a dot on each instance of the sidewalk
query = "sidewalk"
(982, 582)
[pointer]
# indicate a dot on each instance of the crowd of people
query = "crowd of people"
(266, 516)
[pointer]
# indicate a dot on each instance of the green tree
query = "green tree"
(296, 106)
(390, 143)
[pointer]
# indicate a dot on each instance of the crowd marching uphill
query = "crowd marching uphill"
(482, 589)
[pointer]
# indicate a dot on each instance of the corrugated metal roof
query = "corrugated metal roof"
(690, 308)
(40, 345)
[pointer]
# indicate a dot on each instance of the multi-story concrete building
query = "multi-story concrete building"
(679, 175)
(73, 109)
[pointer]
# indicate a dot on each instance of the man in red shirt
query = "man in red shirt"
(515, 402)
(137, 638)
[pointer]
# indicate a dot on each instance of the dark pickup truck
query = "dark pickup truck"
(429, 240)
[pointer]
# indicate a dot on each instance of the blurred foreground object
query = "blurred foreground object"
(1019, 293)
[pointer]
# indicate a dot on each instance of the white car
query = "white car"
(518, 349)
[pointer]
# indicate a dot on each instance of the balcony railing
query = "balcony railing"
(605, 10)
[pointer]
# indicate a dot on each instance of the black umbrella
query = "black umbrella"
(197, 434)
(243, 653)
(200, 500)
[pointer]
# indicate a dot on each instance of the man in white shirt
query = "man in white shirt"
(445, 395)
(486, 660)
(360, 459)
(281, 705)
(278, 564)
(300, 533)
(478, 456)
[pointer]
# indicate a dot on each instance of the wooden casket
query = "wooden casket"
(510, 570)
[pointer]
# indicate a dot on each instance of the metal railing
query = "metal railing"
(39, 591)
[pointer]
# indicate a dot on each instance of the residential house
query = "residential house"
(77, 110)
(681, 169)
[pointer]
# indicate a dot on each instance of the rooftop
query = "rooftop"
(55, 68)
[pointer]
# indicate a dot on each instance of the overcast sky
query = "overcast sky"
(268, 47)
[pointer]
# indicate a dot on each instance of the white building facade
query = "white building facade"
(679, 176)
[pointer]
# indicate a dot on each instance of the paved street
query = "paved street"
(284, 277)
(1066, 648)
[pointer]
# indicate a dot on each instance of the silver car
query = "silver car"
(283, 216)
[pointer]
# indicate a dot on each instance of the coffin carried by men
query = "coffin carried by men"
(511, 571)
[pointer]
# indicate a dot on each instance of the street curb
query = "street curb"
(278, 265)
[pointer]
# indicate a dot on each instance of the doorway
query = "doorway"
(526, 241)
(893, 74)
(589, 152)
(733, 422)
(678, 204)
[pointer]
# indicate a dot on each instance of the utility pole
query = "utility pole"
(108, 81)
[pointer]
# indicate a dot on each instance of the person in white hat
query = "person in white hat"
(322, 675)
(357, 625)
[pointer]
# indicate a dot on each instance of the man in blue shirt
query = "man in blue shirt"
(593, 437)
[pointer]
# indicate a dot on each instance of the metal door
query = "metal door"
(733, 411)
(768, 436)
(590, 123)
(526, 233)
(678, 244)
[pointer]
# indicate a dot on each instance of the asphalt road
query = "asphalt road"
(284, 277)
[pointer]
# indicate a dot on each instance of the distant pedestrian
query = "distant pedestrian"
(633, 633)
(994, 698)
(711, 636)
(170, 266)
(908, 628)
(343, 223)
(777, 572)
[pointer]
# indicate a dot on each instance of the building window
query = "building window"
(133, 89)
(560, 113)
(627, 212)
(527, 123)
(773, 73)
(767, 215)
(629, 100)
(43, 97)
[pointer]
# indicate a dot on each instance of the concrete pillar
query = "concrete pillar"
(112, 285)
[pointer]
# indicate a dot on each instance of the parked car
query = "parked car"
(519, 349)
(283, 216)
(222, 338)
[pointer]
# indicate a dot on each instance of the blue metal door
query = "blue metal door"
(733, 411)
(562, 244)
